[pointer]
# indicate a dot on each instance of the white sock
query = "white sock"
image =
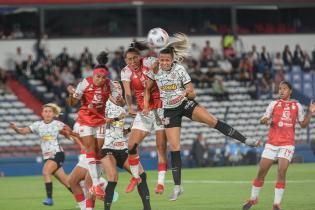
(134, 166)
(161, 177)
(278, 195)
(135, 171)
(82, 185)
(93, 170)
(89, 208)
(255, 192)
(103, 182)
(82, 205)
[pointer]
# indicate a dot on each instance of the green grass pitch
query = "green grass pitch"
(204, 189)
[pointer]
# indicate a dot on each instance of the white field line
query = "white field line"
(186, 181)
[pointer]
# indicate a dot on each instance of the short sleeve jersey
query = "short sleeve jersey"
(137, 81)
(48, 134)
(114, 132)
(283, 115)
(171, 85)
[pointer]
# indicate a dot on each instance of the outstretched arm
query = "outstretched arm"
(190, 91)
(128, 97)
(22, 131)
(309, 115)
(71, 101)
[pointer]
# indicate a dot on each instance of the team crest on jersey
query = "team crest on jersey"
(293, 106)
(279, 105)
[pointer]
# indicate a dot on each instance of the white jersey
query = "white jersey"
(48, 134)
(114, 132)
(171, 85)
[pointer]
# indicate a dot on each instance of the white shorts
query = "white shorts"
(149, 123)
(83, 163)
(98, 132)
(274, 152)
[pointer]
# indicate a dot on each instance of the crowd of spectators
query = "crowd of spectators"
(259, 71)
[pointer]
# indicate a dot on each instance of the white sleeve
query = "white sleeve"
(125, 74)
(34, 127)
(301, 114)
(185, 78)
(114, 90)
(150, 74)
(269, 109)
(148, 61)
(80, 89)
(60, 125)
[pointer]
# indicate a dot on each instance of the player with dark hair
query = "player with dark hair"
(282, 116)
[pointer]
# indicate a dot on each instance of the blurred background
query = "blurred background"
(240, 51)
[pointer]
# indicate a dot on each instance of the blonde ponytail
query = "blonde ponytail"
(179, 46)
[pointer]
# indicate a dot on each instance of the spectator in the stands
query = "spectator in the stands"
(207, 51)
(265, 57)
(307, 63)
(86, 57)
(266, 85)
(63, 58)
(195, 51)
(287, 56)
(199, 151)
(225, 67)
(118, 62)
(218, 88)
(298, 57)
(18, 61)
(277, 63)
(245, 70)
(232, 153)
(254, 55)
(28, 67)
(238, 46)
(86, 71)
(42, 48)
(3, 81)
(67, 76)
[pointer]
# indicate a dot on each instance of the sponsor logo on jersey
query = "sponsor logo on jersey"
(176, 100)
(118, 123)
(169, 87)
(47, 138)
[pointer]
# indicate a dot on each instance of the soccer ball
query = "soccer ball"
(157, 38)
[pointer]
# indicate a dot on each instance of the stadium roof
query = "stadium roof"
(156, 2)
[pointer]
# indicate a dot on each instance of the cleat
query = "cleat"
(133, 183)
(276, 207)
(48, 202)
(253, 142)
(97, 191)
(116, 196)
(249, 204)
(159, 189)
(177, 191)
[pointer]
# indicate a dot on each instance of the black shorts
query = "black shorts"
(59, 159)
(120, 155)
(173, 116)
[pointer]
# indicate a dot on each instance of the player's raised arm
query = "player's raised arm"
(71, 100)
(308, 116)
(23, 131)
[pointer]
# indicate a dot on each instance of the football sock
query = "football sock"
(176, 167)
